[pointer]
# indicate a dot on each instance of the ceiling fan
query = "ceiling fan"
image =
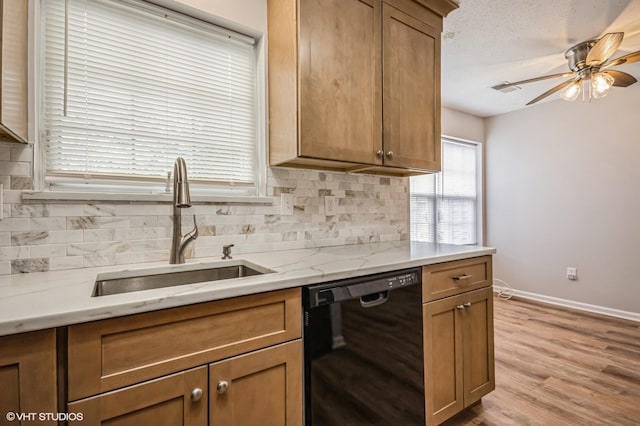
(590, 67)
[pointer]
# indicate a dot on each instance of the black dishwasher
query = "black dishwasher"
(363, 351)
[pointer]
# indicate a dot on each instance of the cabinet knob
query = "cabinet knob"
(222, 387)
(380, 154)
(460, 307)
(196, 394)
(390, 155)
(466, 305)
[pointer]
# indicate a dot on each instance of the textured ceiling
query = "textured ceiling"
(486, 42)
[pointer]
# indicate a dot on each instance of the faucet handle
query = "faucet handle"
(226, 251)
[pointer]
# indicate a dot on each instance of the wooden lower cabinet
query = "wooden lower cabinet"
(261, 388)
(178, 399)
(166, 367)
(458, 348)
(28, 375)
(118, 352)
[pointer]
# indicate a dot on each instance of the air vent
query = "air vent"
(501, 88)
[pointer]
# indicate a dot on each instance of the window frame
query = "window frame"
(480, 175)
(125, 190)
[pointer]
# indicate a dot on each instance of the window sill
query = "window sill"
(54, 196)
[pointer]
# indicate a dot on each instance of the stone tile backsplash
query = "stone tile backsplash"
(55, 236)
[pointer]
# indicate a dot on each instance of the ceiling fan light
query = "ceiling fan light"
(571, 92)
(601, 84)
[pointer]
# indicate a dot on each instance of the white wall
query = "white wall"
(461, 125)
(241, 15)
(563, 189)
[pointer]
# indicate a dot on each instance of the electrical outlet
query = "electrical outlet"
(286, 204)
(572, 274)
(329, 205)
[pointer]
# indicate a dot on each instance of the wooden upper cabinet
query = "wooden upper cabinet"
(411, 69)
(339, 80)
(13, 70)
(28, 374)
(354, 85)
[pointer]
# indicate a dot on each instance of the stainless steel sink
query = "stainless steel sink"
(129, 281)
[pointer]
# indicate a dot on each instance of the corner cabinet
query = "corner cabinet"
(229, 362)
(458, 336)
(14, 23)
(354, 85)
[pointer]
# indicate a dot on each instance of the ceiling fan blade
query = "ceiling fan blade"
(621, 79)
(626, 59)
(553, 90)
(604, 48)
(531, 80)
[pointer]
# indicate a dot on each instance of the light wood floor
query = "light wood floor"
(556, 366)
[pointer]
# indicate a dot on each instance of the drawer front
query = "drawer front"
(109, 354)
(451, 278)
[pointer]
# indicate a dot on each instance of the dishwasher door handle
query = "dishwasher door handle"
(368, 302)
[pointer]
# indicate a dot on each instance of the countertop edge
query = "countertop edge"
(172, 297)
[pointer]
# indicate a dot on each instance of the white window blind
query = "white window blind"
(128, 87)
(444, 206)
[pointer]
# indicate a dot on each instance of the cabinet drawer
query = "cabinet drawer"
(109, 354)
(450, 278)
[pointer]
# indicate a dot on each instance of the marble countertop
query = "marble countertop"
(51, 299)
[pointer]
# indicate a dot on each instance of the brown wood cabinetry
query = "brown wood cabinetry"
(261, 388)
(28, 374)
(14, 23)
(140, 368)
(458, 348)
(451, 278)
(177, 399)
(355, 84)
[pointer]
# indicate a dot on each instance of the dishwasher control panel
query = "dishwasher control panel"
(353, 288)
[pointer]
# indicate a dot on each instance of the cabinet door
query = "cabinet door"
(479, 378)
(411, 91)
(261, 388)
(178, 399)
(443, 378)
(339, 80)
(28, 374)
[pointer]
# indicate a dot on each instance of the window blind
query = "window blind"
(444, 206)
(126, 90)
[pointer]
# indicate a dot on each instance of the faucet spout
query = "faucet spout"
(181, 199)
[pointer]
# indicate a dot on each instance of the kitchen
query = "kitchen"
(47, 234)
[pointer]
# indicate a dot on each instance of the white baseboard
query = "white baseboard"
(633, 316)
